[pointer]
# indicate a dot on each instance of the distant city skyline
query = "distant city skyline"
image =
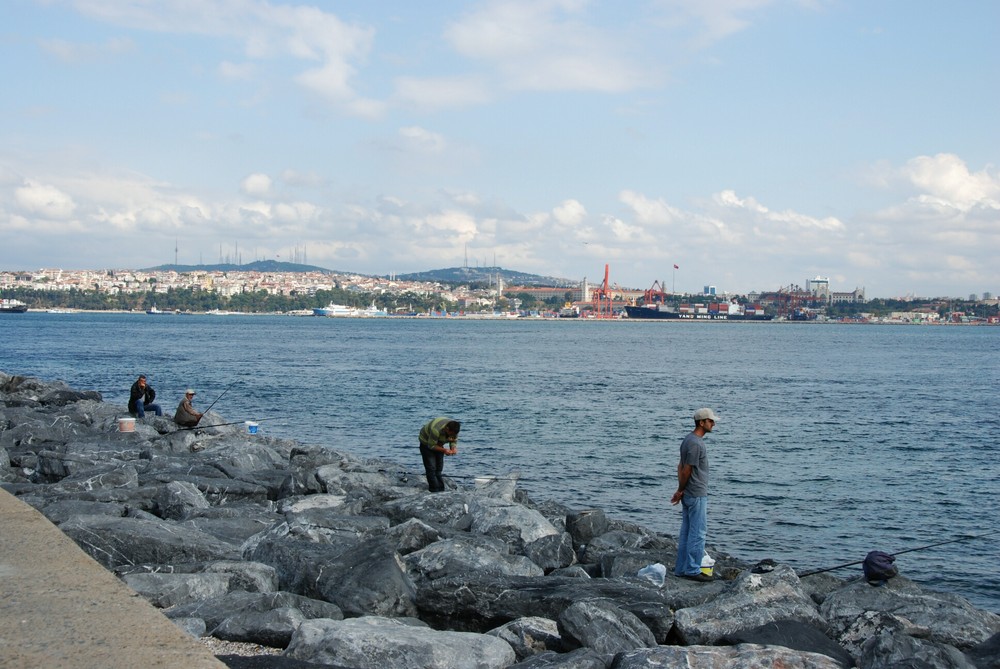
(752, 144)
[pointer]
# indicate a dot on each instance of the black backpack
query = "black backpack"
(879, 567)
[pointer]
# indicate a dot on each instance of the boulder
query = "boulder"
(751, 601)
(269, 628)
(710, 657)
(585, 525)
(369, 579)
(166, 590)
(382, 643)
(947, 618)
(552, 551)
(117, 541)
(530, 636)
(452, 557)
(603, 626)
(481, 603)
(215, 610)
(791, 634)
(178, 499)
(581, 658)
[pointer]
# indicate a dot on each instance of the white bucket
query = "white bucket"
(707, 565)
(251, 426)
(126, 424)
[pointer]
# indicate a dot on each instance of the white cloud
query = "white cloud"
(546, 45)
(945, 180)
(433, 93)
(256, 185)
(239, 71)
(422, 140)
(74, 53)
(44, 200)
(570, 213)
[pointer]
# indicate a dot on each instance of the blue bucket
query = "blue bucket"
(251, 426)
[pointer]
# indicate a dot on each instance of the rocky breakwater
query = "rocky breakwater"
(348, 562)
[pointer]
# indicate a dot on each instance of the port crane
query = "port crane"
(655, 294)
(601, 299)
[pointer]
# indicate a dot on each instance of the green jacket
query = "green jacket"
(432, 434)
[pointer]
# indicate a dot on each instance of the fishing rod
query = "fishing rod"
(235, 422)
(908, 550)
(219, 397)
(405, 473)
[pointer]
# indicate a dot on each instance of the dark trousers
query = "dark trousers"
(433, 466)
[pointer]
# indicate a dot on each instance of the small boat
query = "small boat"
(372, 311)
(11, 306)
(336, 310)
(157, 312)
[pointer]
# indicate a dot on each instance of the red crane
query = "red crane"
(602, 300)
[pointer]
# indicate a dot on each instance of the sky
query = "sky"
(746, 144)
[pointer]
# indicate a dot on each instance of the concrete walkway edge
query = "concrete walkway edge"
(60, 608)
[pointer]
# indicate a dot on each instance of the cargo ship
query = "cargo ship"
(717, 311)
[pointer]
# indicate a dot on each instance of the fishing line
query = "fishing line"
(219, 397)
(908, 550)
(235, 422)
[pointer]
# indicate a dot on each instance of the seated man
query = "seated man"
(140, 399)
(186, 415)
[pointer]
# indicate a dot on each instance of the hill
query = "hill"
(486, 275)
(255, 266)
(446, 275)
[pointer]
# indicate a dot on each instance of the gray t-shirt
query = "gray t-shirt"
(694, 453)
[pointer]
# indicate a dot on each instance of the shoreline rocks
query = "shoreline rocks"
(342, 562)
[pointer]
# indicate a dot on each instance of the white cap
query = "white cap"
(705, 414)
(189, 392)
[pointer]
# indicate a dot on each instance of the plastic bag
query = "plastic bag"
(654, 573)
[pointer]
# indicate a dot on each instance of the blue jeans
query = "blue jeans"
(433, 466)
(691, 543)
(141, 409)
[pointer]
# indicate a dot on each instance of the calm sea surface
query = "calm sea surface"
(833, 440)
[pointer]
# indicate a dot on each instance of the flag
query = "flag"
(676, 267)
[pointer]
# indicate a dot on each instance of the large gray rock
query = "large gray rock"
(747, 656)
(530, 636)
(552, 551)
(604, 627)
(166, 590)
(480, 604)
(412, 535)
(581, 658)
(512, 523)
(217, 609)
(178, 499)
(948, 618)
(752, 600)
(123, 541)
(452, 557)
(382, 643)
(886, 649)
(585, 525)
(369, 579)
(791, 634)
(269, 628)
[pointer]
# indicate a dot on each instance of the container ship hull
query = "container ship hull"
(653, 313)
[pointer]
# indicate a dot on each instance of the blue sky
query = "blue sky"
(753, 143)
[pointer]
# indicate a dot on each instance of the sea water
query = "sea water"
(833, 440)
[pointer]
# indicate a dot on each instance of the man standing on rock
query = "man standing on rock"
(438, 439)
(692, 490)
(140, 399)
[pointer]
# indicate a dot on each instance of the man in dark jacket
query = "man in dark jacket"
(140, 399)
